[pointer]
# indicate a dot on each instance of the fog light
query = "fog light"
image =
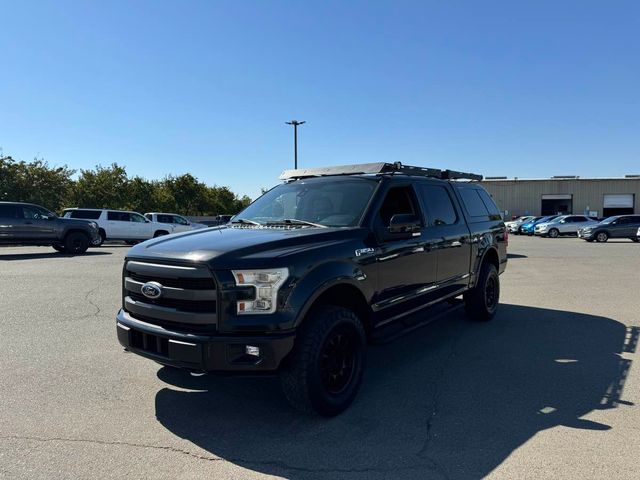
(253, 351)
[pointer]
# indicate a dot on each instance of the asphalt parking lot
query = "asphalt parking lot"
(549, 389)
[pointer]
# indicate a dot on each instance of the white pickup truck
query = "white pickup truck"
(131, 227)
(179, 223)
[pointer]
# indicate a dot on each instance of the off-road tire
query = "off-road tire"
(481, 302)
(302, 379)
(76, 243)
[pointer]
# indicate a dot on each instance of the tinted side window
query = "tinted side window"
(579, 219)
(8, 211)
(491, 206)
(399, 200)
(439, 205)
(33, 212)
(473, 203)
(180, 220)
(86, 214)
(134, 217)
(164, 219)
(118, 216)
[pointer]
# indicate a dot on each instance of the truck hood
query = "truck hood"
(235, 247)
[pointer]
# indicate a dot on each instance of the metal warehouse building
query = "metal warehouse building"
(601, 197)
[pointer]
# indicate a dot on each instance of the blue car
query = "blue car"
(529, 227)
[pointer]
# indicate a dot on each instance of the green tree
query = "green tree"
(104, 187)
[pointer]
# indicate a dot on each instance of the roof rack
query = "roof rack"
(378, 169)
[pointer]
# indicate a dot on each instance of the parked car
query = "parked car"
(178, 222)
(29, 224)
(130, 227)
(306, 275)
(563, 225)
(220, 220)
(513, 225)
(619, 226)
(528, 227)
(531, 220)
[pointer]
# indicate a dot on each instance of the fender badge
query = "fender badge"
(363, 251)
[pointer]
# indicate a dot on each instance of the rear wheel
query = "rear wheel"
(481, 303)
(323, 373)
(554, 233)
(76, 243)
(635, 239)
(602, 237)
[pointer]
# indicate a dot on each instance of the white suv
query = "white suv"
(563, 225)
(131, 227)
(179, 223)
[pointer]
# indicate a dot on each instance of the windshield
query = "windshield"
(609, 219)
(339, 202)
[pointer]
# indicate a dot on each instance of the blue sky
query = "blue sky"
(513, 88)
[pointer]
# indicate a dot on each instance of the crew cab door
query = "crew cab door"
(448, 233)
(36, 224)
(118, 225)
(8, 222)
(406, 265)
(141, 228)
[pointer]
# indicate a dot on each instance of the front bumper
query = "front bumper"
(203, 353)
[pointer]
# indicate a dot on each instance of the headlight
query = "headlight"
(266, 283)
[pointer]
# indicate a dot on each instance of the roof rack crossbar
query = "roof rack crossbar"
(378, 169)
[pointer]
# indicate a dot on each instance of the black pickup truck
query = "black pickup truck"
(29, 224)
(301, 280)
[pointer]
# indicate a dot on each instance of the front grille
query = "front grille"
(185, 305)
(188, 294)
(190, 283)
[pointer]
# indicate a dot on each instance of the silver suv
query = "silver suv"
(563, 225)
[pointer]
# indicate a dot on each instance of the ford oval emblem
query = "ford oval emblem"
(151, 290)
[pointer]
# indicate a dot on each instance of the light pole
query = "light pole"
(295, 124)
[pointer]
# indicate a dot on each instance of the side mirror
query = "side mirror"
(52, 216)
(404, 225)
(563, 221)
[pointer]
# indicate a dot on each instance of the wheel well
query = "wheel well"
(160, 232)
(75, 230)
(347, 296)
(102, 231)
(492, 257)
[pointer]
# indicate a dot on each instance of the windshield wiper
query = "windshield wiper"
(295, 221)
(244, 221)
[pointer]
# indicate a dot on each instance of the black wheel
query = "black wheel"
(554, 233)
(76, 243)
(481, 302)
(58, 248)
(602, 237)
(160, 233)
(636, 240)
(323, 373)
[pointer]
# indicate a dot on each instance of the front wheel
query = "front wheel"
(554, 233)
(76, 243)
(323, 373)
(602, 237)
(481, 302)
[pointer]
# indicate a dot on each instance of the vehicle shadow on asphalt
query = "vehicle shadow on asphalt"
(515, 255)
(453, 400)
(48, 255)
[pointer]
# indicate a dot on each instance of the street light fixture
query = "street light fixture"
(295, 124)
